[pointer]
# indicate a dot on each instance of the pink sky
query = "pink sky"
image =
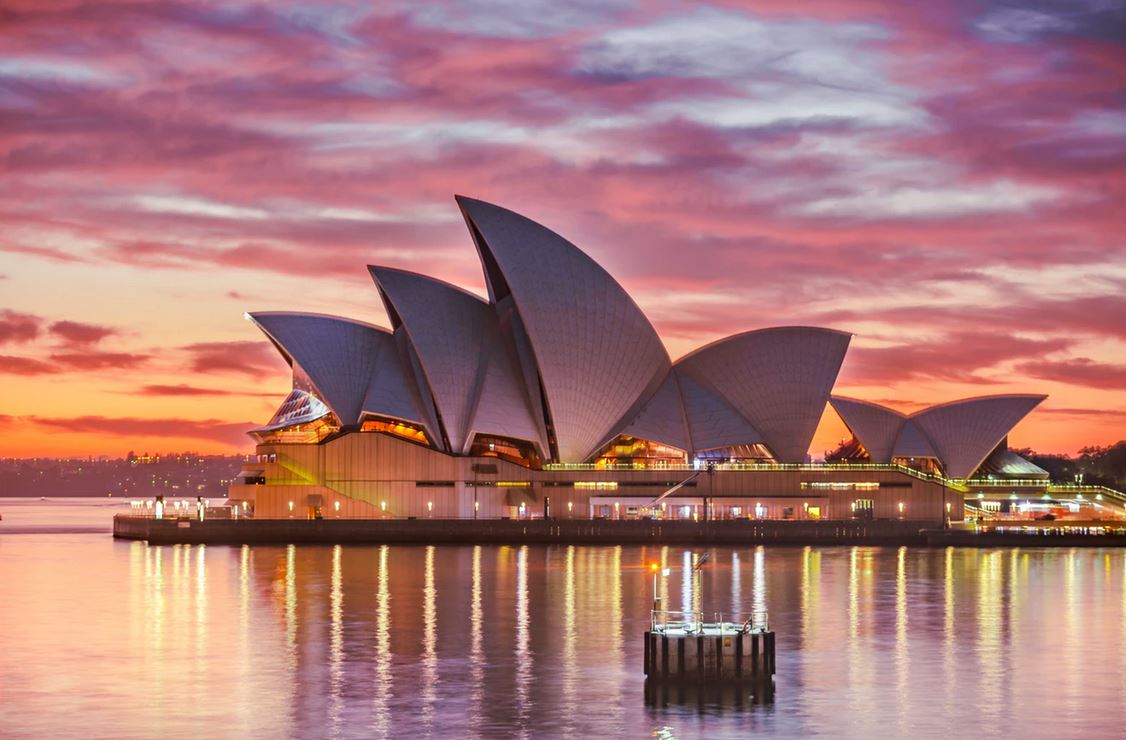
(944, 180)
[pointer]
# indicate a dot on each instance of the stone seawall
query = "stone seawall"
(500, 531)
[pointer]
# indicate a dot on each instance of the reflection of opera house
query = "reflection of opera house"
(557, 398)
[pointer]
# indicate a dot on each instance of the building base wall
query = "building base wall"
(372, 475)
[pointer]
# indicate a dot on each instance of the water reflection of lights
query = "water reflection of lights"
(476, 641)
(383, 680)
(758, 589)
(736, 586)
(523, 637)
(570, 637)
(949, 672)
(901, 646)
(429, 640)
(336, 644)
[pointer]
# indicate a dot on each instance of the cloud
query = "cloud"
(10, 365)
(1081, 371)
(214, 430)
(77, 333)
(94, 360)
(18, 327)
(959, 357)
(189, 390)
(256, 359)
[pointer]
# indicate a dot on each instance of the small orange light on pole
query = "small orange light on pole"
(654, 568)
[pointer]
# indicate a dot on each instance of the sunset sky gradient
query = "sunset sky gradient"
(945, 180)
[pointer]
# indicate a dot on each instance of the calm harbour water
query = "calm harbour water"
(117, 639)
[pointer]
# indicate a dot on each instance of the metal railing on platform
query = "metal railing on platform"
(692, 622)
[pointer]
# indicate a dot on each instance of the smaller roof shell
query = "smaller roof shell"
(778, 379)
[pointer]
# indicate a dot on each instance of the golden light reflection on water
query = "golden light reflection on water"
(902, 651)
(476, 638)
(810, 595)
(356, 641)
(570, 639)
(429, 640)
(949, 644)
(989, 632)
(524, 658)
(336, 644)
(381, 698)
(758, 587)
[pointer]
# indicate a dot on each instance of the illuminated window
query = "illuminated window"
(516, 451)
(840, 485)
(639, 453)
(396, 428)
(306, 433)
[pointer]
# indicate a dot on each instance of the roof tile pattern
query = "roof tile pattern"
(779, 379)
(712, 422)
(446, 327)
(392, 391)
(912, 442)
(874, 425)
(339, 355)
(596, 351)
(662, 417)
(965, 432)
(471, 374)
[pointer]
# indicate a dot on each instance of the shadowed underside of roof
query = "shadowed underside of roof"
(874, 425)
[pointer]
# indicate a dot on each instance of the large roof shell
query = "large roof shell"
(778, 379)
(471, 374)
(874, 425)
(965, 432)
(596, 352)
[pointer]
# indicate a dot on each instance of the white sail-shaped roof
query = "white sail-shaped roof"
(393, 392)
(779, 379)
(339, 356)
(874, 425)
(471, 374)
(712, 422)
(965, 432)
(445, 325)
(662, 417)
(595, 351)
(912, 442)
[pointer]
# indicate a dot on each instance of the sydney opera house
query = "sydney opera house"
(556, 398)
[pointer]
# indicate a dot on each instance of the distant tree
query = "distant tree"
(1061, 468)
(1104, 466)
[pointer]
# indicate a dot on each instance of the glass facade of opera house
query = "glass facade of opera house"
(556, 398)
